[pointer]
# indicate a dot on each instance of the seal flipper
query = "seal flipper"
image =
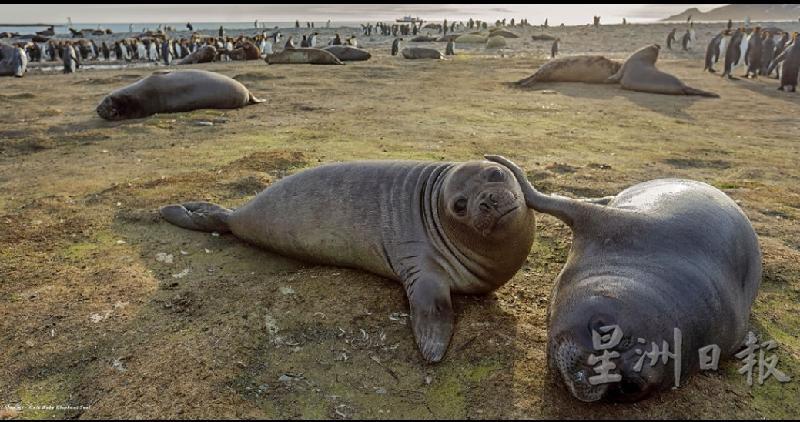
(694, 91)
(254, 100)
(570, 211)
(202, 216)
(432, 316)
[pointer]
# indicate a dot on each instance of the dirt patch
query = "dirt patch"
(279, 161)
(687, 163)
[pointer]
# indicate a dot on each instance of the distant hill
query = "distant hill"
(756, 12)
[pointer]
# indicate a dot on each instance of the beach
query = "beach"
(110, 312)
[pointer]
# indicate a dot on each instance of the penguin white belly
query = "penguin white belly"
(745, 43)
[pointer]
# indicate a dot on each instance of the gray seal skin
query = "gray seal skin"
(421, 53)
(348, 53)
(639, 73)
(171, 92)
(660, 255)
(588, 69)
(437, 228)
(13, 61)
(303, 56)
(204, 54)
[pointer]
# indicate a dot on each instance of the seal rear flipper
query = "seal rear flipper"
(694, 91)
(432, 317)
(254, 100)
(201, 216)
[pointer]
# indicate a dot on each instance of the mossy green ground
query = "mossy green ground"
(89, 316)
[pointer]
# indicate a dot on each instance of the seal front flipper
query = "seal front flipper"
(202, 216)
(432, 317)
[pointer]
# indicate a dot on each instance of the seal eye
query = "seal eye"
(496, 175)
(460, 206)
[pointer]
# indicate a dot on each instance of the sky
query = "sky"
(569, 14)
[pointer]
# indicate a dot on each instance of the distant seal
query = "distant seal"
(589, 69)
(348, 53)
(171, 92)
(303, 56)
(421, 53)
(204, 54)
(13, 61)
(436, 227)
(639, 73)
(661, 255)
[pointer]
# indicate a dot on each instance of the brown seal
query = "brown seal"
(639, 73)
(170, 92)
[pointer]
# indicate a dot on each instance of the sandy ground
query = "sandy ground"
(108, 309)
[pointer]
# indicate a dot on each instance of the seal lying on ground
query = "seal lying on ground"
(421, 53)
(348, 53)
(170, 92)
(13, 61)
(639, 73)
(589, 69)
(438, 228)
(303, 56)
(661, 255)
(204, 54)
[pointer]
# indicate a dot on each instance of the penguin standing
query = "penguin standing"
(152, 51)
(450, 50)
(712, 52)
(166, 54)
(733, 52)
(71, 62)
(554, 48)
(289, 44)
(671, 38)
(790, 66)
(687, 37)
(141, 51)
(105, 50)
(754, 48)
(395, 46)
(767, 52)
(304, 42)
(744, 44)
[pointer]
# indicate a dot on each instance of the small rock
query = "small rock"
(380, 390)
(204, 123)
(181, 274)
(286, 290)
(164, 257)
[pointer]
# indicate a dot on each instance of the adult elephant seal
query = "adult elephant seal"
(348, 53)
(639, 73)
(588, 69)
(421, 53)
(204, 54)
(13, 61)
(661, 255)
(171, 92)
(437, 228)
(303, 56)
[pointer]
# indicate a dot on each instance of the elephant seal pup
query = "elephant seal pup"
(171, 92)
(421, 53)
(660, 255)
(204, 54)
(348, 53)
(639, 73)
(13, 61)
(303, 56)
(588, 69)
(437, 228)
